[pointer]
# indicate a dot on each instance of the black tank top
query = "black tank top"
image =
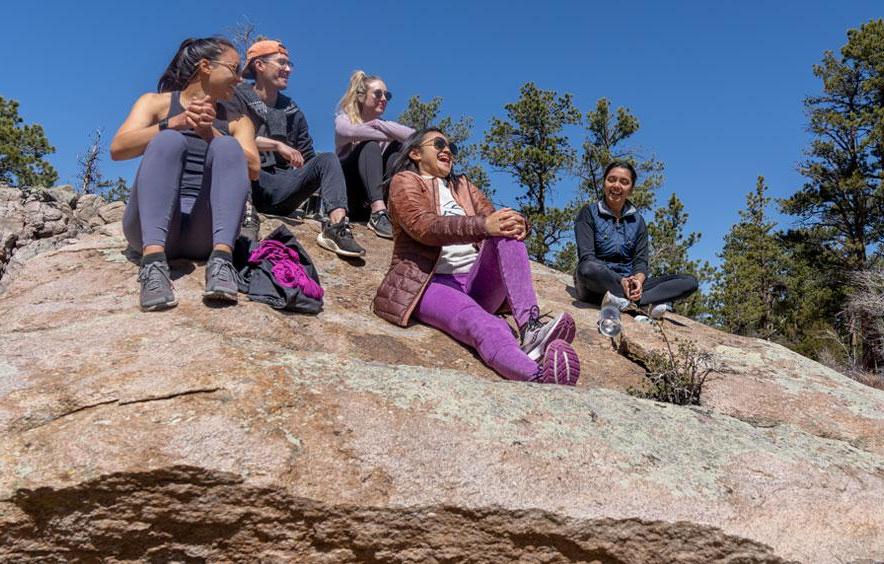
(195, 161)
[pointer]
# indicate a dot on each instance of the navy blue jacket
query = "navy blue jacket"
(620, 244)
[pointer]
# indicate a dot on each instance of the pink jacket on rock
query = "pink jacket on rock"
(419, 232)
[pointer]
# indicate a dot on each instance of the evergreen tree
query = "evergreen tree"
(92, 180)
(750, 290)
(530, 144)
(843, 198)
(605, 134)
(22, 148)
(420, 115)
(669, 248)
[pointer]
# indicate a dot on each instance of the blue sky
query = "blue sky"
(717, 86)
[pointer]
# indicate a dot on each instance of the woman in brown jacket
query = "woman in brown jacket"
(455, 261)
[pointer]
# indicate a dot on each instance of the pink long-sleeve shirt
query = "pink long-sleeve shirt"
(348, 134)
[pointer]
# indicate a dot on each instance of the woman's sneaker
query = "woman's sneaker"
(619, 303)
(560, 365)
(536, 335)
(659, 310)
(379, 222)
(222, 280)
(338, 238)
(156, 286)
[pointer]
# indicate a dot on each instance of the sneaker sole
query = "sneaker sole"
(160, 307)
(378, 233)
(330, 245)
(220, 295)
(565, 329)
(565, 366)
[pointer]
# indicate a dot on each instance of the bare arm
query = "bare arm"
(141, 126)
(243, 130)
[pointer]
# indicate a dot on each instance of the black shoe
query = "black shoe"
(338, 238)
(379, 222)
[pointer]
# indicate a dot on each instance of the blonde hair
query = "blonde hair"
(350, 104)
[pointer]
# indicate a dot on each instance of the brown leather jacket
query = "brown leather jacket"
(419, 233)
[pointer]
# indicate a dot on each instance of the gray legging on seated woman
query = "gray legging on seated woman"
(593, 279)
(186, 220)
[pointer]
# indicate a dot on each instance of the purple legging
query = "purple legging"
(157, 214)
(463, 306)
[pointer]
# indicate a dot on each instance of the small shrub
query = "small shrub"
(675, 377)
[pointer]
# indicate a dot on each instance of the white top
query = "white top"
(454, 259)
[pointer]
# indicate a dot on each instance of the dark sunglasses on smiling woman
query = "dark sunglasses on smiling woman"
(440, 144)
(378, 94)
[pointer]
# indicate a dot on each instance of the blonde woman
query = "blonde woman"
(365, 144)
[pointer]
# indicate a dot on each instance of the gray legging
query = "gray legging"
(593, 279)
(280, 190)
(187, 227)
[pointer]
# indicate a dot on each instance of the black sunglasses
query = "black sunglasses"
(382, 93)
(439, 143)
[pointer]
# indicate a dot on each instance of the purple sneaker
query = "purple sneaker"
(536, 335)
(560, 365)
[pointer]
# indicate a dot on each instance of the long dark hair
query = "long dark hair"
(184, 64)
(402, 162)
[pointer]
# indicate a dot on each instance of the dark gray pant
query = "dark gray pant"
(593, 279)
(280, 190)
(364, 169)
(187, 227)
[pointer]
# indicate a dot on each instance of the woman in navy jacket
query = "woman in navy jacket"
(612, 249)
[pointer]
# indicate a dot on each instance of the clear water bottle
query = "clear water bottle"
(609, 321)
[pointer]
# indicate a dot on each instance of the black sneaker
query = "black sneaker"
(338, 238)
(379, 222)
(222, 280)
(156, 287)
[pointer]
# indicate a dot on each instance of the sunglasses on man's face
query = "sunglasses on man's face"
(440, 144)
(378, 94)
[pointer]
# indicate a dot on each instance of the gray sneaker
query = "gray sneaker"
(222, 281)
(535, 335)
(620, 303)
(338, 238)
(379, 222)
(156, 287)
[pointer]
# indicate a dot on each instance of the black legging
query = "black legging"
(593, 279)
(364, 169)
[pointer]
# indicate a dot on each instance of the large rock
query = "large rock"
(245, 434)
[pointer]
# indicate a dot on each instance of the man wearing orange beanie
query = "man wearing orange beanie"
(291, 170)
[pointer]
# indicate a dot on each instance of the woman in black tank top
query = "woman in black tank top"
(193, 181)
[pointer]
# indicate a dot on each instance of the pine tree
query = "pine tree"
(605, 135)
(669, 248)
(22, 148)
(530, 144)
(750, 291)
(92, 180)
(420, 115)
(843, 197)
